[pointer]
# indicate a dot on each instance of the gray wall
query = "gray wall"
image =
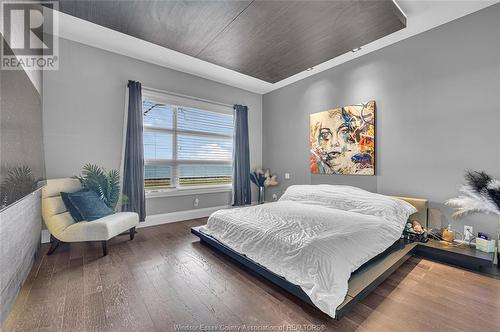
(19, 241)
(20, 145)
(437, 113)
(84, 104)
(21, 137)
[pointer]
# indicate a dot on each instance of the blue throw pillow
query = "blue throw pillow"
(89, 205)
(71, 208)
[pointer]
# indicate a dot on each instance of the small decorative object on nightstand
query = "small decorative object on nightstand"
(485, 245)
(448, 234)
(263, 179)
(414, 232)
(481, 194)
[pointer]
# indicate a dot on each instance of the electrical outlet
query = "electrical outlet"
(275, 197)
(468, 232)
(287, 176)
(196, 201)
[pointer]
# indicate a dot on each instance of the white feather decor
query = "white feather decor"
(481, 194)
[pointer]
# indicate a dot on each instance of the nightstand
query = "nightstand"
(462, 256)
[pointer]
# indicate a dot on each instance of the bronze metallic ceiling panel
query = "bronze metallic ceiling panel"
(183, 26)
(273, 40)
(269, 40)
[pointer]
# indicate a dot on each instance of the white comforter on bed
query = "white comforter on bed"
(315, 236)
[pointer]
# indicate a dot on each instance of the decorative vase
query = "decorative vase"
(261, 195)
(496, 258)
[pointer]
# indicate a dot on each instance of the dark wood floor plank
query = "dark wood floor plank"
(218, 308)
(262, 290)
(232, 292)
(94, 316)
(368, 318)
(201, 300)
(238, 297)
(53, 315)
(124, 308)
(165, 279)
(474, 295)
(33, 310)
(165, 309)
(74, 305)
(19, 305)
(223, 279)
(172, 296)
(462, 306)
(288, 308)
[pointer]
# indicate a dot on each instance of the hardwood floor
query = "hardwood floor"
(166, 279)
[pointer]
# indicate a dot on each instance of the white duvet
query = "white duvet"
(315, 236)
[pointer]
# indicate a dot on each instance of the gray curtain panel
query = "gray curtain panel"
(133, 170)
(241, 158)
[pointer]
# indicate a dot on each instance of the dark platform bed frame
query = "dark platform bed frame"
(365, 279)
(362, 281)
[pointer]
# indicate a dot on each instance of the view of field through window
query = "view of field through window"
(186, 147)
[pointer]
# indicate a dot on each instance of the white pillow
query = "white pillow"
(351, 199)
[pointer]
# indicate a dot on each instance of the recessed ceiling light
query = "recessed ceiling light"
(356, 49)
(309, 69)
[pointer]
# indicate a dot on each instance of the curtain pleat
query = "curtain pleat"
(241, 158)
(133, 169)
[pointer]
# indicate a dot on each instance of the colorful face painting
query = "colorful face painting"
(342, 140)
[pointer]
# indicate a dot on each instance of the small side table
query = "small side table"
(462, 256)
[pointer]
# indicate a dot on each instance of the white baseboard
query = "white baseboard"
(45, 238)
(164, 218)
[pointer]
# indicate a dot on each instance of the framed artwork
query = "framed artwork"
(342, 140)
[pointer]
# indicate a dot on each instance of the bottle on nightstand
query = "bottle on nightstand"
(448, 234)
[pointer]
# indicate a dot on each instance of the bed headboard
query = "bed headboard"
(421, 205)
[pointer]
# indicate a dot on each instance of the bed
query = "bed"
(328, 245)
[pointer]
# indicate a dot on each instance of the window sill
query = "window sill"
(172, 192)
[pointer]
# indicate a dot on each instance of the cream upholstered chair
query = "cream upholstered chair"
(62, 226)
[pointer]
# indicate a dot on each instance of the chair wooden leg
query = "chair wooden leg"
(132, 233)
(54, 243)
(104, 247)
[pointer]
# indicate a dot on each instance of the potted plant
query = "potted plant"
(106, 184)
(18, 183)
(480, 194)
(262, 180)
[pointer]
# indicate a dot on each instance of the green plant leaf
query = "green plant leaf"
(106, 184)
(18, 183)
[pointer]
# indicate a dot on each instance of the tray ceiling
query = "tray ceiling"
(268, 40)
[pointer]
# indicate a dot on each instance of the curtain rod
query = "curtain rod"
(186, 96)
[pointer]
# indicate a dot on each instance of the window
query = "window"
(187, 143)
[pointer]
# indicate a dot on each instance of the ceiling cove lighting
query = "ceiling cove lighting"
(354, 50)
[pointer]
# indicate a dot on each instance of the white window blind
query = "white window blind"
(186, 146)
